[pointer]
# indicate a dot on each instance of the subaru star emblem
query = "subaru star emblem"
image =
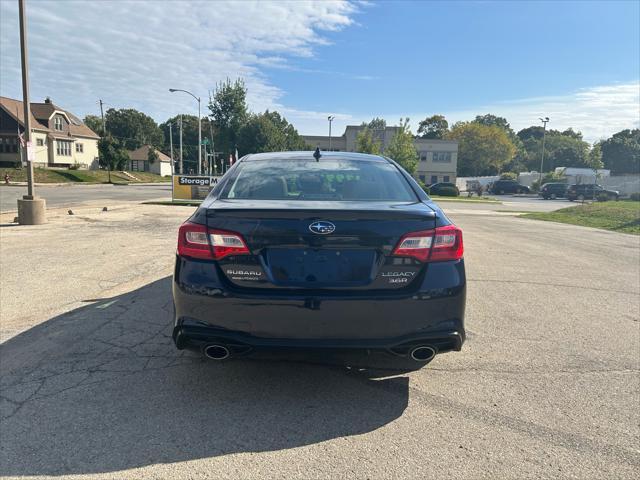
(322, 227)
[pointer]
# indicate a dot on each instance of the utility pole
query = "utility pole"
(213, 146)
(199, 139)
(181, 170)
(544, 135)
(330, 118)
(31, 209)
(104, 134)
(205, 154)
(171, 147)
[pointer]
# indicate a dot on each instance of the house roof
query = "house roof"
(40, 114)
(142, 153)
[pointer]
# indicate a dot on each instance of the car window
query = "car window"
(330, 179)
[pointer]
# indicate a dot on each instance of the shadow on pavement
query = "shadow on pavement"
(102, 389)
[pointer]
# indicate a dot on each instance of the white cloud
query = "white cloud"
(597, 112)
(130, 53)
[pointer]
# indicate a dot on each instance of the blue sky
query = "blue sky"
(577, 62)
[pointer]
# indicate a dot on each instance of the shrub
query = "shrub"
(75, 166)
(602, 197)
(635, 196)
(448, 192)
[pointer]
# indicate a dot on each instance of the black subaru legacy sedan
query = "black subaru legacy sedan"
(336, 254)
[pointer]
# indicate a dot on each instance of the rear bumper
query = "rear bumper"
(208, 310)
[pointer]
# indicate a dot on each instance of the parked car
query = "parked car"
(553, 190)
(346, 256)
(445, 189)
(500, 187)
(590, 191)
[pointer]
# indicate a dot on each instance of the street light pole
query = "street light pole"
(544, 135)
(171, 148)
(330, 118)
(199, 126)
(181, 170)
(199, 139)
(31, 209)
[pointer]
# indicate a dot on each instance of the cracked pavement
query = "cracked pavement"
(547, 385)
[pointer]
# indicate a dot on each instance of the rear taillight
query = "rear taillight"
(443, 243)
(198, 241)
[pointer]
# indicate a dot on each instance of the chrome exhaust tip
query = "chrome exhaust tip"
(422, 353)
(216, 352)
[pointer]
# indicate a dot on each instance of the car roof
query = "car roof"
(308, 155)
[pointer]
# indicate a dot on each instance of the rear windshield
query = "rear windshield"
(333, 179)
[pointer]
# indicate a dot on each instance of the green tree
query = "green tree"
(189, 136)
(570, 132)
(229, 113)
(401, 148)
(519, 160)
(133, 128)
(595, 156)
(533, 132)
(377, 124)
(152, 155)
(562, 149)
(621, 152)
(482, 149)
(112, 153)
(435, 126)
(94, 123)
(493, 120)
(366, 143)
(268, 132)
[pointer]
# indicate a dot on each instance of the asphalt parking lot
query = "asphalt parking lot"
(547, 385)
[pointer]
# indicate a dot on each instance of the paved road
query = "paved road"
(547, 385)
(74, 195)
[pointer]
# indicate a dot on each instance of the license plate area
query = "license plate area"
(318, 268)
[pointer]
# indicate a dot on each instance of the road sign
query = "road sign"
(31, 152)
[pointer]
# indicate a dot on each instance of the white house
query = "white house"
(139, 161)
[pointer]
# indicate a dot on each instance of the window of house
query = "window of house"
(445, 179)
(63, 147)
(57, 122)
(8, 145)
(79, 148)
(422, 178)
(434, 179)
(423, 156)
(441, 157)
(139, 165)
(39, 142)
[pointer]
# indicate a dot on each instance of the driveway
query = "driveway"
(547, 385)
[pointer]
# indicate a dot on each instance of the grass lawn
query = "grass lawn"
(440, 198)
(622, 216)
(44, 175)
